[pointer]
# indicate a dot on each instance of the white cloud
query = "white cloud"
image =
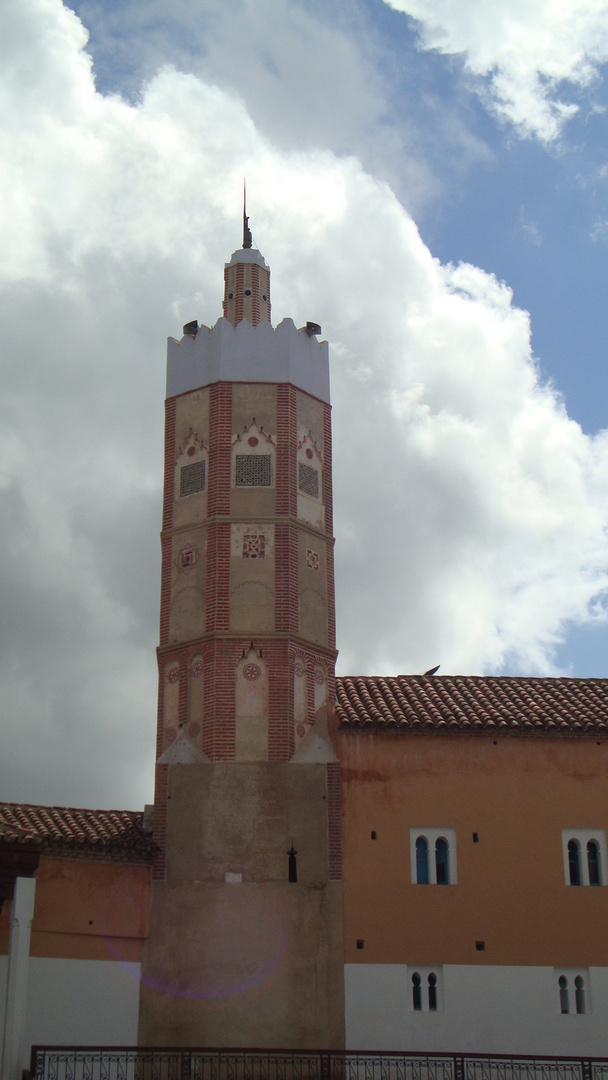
(471, 513)
(525, 50)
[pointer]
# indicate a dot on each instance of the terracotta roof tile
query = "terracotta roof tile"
(474, 703)
(102, 834)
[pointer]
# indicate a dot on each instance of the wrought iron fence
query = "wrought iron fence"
(170, 1063)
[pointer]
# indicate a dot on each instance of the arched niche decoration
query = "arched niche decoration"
(171, 677)
(196, 697)
(191, 467)
(320, 687)
(252, 694)
(309, 465)
(299, 697)
(253, 458)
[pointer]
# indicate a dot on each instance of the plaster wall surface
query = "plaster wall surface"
(72, 1002)
(248, 354)
(237, 954)
(486, 1009)
(87, 911)
(508, 800)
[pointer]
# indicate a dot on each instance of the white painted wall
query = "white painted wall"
(78, 1002)
(246, 353)
(486, 1010)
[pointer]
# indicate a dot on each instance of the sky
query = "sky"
(428, 180)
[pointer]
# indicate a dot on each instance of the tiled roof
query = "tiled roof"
(98, 834)
(462, 704)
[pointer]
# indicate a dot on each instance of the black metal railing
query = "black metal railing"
(170, 1063)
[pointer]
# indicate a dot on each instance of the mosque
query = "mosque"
(408, 863)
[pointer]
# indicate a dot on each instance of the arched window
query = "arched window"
(432, 992)
(422, 861)
(564, 1005)
(579, 993)
(442, 864)
(574, 863)
(416, 992)
(593, 863)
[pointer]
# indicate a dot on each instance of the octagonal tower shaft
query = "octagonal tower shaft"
(247, 797)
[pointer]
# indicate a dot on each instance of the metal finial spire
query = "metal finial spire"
(247, 238)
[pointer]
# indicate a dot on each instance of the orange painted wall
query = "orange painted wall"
(87, 911)
(517, 794)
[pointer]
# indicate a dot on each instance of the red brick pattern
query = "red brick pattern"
(474, 704)
(159, 866)
(328, 495)
(255, 294)
(334, 823)
(287, 443)
(220, 449)
(168, 502)
(169, 482)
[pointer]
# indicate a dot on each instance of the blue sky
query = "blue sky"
(426, 179)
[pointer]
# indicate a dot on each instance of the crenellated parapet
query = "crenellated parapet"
(246, 353)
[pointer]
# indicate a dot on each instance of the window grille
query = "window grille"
(192, 478)
(253, 470)
(308, 480)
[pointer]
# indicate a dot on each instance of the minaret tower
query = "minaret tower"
(245, 942)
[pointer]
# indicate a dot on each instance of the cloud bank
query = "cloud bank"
(524, 52)
(471, 512)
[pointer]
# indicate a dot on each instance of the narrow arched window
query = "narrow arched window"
(442, 864)
(593, 862)
(416, 992)
(579, 994)
(422, 861)
(563, 994)
(432, 992)
(574, 862)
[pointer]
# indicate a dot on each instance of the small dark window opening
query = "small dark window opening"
(432, 992)
(579, 994)
(475, 838)
(230, 295)
(564, 1004)
(441, 862)
(373, 834)
(416, 992)
(360, 943)
(422, 861)
(480, 946)
(574, 862)
(247, 292)
(593, 862)
(293, 866)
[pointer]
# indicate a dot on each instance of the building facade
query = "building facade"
(475, 872)
(415, 863)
